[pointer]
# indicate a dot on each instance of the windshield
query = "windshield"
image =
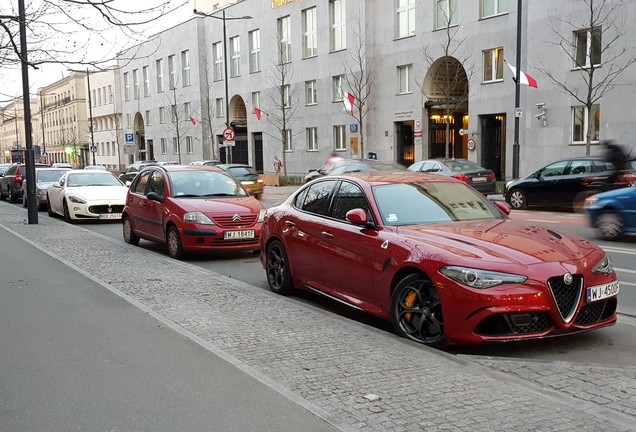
(426, 203)
(242, 171)
(96, 178)
(462, 165)
(49, 175)
(197, 184)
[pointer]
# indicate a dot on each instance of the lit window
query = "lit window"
(493, 65)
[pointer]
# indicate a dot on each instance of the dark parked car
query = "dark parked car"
(341, 166)
(482, 179)
(247, 175)
(613, 213)
(564, 184)
(11, 181)
(132, 170)
(436, 258)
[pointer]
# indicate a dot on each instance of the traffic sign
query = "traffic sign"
(93, 149)
(130, 138)
(228, 134)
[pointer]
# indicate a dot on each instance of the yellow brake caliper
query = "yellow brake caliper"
(409, 301)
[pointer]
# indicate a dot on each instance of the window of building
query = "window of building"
(284, 39)
(336, 92)
(404, 79)
(99, 96)
(95, 97)
(405, 18)
(310, 35)
(338, 25)
(219, 107)
(162, 115)
(185, 67)
(339, 137)
(235, 56)
(189, 147)
(146, 79)
(126, 88)
(312, 139)
(159, 67)
(310, 92)
(493, 7)
(493, 65)
(104, 95)
(286, 96)
(256, 99)
(173, 111)
(588, 48)
(255, 50)
(288, 140)
(175, 146)
(110, 94)
(445, 13)
(187, 111)
(128, 120)
(580, 123)
(136, 83)
(172, 73)
(148, 118)
(164, 146)
(217, 51)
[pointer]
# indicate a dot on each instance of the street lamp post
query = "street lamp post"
(90, 114)
(228, 153)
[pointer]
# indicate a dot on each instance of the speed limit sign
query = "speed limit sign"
(228, 134)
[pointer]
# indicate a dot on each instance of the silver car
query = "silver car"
(43, 178)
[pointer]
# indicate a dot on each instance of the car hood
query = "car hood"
(216, 206)
(101, 193)
(501, 242)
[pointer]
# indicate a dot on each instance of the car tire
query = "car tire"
(12, 197)
(49, 210)
(517, 199)
(67, 213)
(416, 311)
(2, 195)
(277, 268)
(173, 241)
(609, 225)
(129, 234)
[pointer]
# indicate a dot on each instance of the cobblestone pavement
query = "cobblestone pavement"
(334, 366)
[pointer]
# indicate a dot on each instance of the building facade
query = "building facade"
(12, 132)
(429, 76)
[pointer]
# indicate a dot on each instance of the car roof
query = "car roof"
(377, 178)
(176, 168)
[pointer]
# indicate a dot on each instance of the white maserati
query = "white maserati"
(86, 194)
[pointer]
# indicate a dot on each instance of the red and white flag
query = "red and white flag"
(258, 113)
(193, 121)
(348, 100)
(524, 78)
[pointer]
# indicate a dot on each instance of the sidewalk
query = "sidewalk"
(333, 366)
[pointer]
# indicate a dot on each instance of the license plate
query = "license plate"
(238, 235)
(480, 179)
(602, 291)
(110, 216)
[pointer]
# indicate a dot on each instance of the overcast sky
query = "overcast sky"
(11, 79)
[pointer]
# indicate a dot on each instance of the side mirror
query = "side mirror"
(154, 196)
(503, 207)
(128, 183)
(358, 216)
(55, 184)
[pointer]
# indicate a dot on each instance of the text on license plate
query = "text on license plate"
(237, 235)
(479, 179)
(602, 291)
(110, 216)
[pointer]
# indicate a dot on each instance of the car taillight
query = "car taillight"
(17, 179)
(461, 177)
(491, 176)
(260, 180)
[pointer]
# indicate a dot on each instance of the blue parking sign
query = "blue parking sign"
(130, 138)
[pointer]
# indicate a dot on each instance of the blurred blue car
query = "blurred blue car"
(613, 213)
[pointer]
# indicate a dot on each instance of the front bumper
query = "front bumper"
(99, 210)
(209, 238)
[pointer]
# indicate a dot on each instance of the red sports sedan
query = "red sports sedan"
(191, 209)
(437, 258)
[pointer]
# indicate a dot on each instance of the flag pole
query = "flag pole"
(515, 146)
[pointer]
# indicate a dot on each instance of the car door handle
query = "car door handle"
(327, 234)
(290, 224)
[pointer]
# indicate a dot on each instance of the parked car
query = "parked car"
(482, 179)
(437, 258)
(247, 175)
(206, 162)
(11, 181)
(132, 170)
(564, 183)
(86, 194)
(192, 209)
(168, 163)
(44, 176)
(613, 213)
(3, 168)
(341, 165)
(62, 165)
(96, 167)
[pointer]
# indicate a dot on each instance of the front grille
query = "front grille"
(234, 221)
(596, 312)
(515, 324)
(104, 209)
(566, 296)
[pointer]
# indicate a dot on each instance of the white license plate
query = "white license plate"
(602, 291)
(237, 235)
(480, 179)
(110, 216)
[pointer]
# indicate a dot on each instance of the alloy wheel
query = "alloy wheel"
(518, 199)
(277, 268)
(175, 249)
(609, 226)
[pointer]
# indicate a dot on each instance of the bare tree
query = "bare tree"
(207, 103)
(283, 101)
(179, 123)
(596, 52)
(359, 77)
(452, 59)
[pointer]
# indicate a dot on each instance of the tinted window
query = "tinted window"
(49, 175)
(555, 169)
(462, 165)
(317, 199)
(348, 197)
(140, 186)
(156, 184)
(11, 170)
(578, 167)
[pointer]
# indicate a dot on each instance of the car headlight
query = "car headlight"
(198, 218)
(482, 279)
(604, 266)
(261, 215)
(76, 200)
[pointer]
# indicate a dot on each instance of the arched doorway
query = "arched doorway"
(239, 152)
(446, 88)
(143, 152)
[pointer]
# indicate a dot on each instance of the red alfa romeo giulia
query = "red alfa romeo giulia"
(437, 258)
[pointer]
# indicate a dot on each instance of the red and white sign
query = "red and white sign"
(228, 134)
(471, 144)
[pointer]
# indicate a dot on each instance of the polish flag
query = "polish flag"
(348, 100)
(193, 121)
(524, 78)
(258, 113)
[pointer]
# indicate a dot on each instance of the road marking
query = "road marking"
(617, 250)
(625, 270)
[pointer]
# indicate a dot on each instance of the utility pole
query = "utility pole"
(90, 114)
(515, 146)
